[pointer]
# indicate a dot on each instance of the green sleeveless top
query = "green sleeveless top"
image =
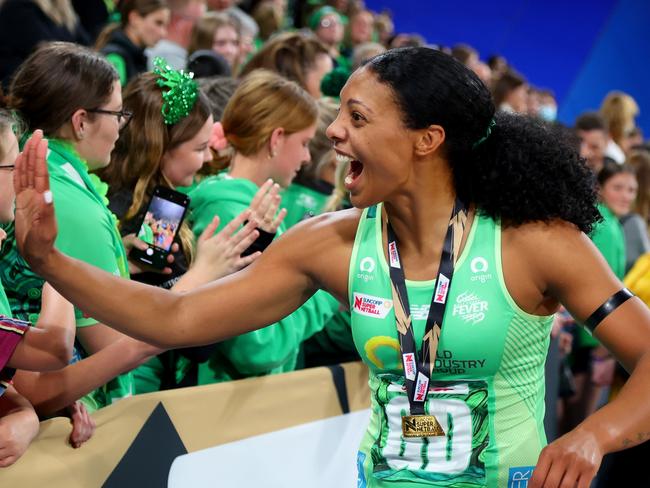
(487, 389)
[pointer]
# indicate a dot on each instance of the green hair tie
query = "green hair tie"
(487, 134)
(182, 92)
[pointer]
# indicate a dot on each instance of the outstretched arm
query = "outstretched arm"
(271, 288)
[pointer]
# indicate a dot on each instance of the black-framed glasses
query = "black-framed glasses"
(123, 116)
(9, 167)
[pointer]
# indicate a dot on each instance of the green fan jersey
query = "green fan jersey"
(272, 349)
(487, 389)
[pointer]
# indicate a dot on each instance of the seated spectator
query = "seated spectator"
(327, 24)
(24, 24)
(74, 95)
(591, 128)
(619, 189)
(297, 57)
(268, 124)
(143, 23)
(219, 33)
(154, 150)
(510, 92)
(173, 48)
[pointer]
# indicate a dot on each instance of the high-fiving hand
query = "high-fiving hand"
(35, 223)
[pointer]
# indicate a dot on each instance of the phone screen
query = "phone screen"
(161, 223)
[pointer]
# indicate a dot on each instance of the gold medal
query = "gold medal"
(421, 426)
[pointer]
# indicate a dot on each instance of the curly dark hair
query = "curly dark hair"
(523, 171)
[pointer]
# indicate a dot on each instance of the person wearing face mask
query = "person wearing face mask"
(268, 124)
(142, 24)
(547, 106)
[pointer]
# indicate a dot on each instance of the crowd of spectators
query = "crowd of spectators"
(269, 73)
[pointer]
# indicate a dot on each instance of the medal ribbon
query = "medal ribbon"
(418, 370)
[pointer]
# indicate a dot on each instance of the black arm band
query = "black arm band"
(611, 304)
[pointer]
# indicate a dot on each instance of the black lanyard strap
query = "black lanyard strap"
(418, 368)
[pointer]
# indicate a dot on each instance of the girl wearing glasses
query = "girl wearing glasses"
(74, 96)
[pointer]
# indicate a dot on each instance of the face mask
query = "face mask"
(548, 113)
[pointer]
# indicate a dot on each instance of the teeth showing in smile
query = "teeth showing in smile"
(341, 159)
(349, 179)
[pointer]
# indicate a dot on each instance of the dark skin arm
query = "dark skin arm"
(278, 282)
(315, 254)
(569, 269)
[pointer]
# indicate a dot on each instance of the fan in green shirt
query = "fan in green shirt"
(269, 123)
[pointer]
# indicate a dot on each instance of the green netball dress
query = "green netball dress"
(487, 389)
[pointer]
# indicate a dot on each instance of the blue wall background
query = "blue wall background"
(580, 49)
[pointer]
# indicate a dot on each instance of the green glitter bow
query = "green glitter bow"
(181, 96)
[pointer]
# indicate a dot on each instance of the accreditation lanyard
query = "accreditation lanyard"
(418, 370)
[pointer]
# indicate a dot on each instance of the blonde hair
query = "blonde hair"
(60, 12)
(136, 161)
(263, 102)
(619, 110)
(205, 29)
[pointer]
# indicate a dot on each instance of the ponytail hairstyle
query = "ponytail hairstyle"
(141, 7)
(136, 161)
(512, 167)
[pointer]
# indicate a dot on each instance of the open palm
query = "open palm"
(35, 223)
